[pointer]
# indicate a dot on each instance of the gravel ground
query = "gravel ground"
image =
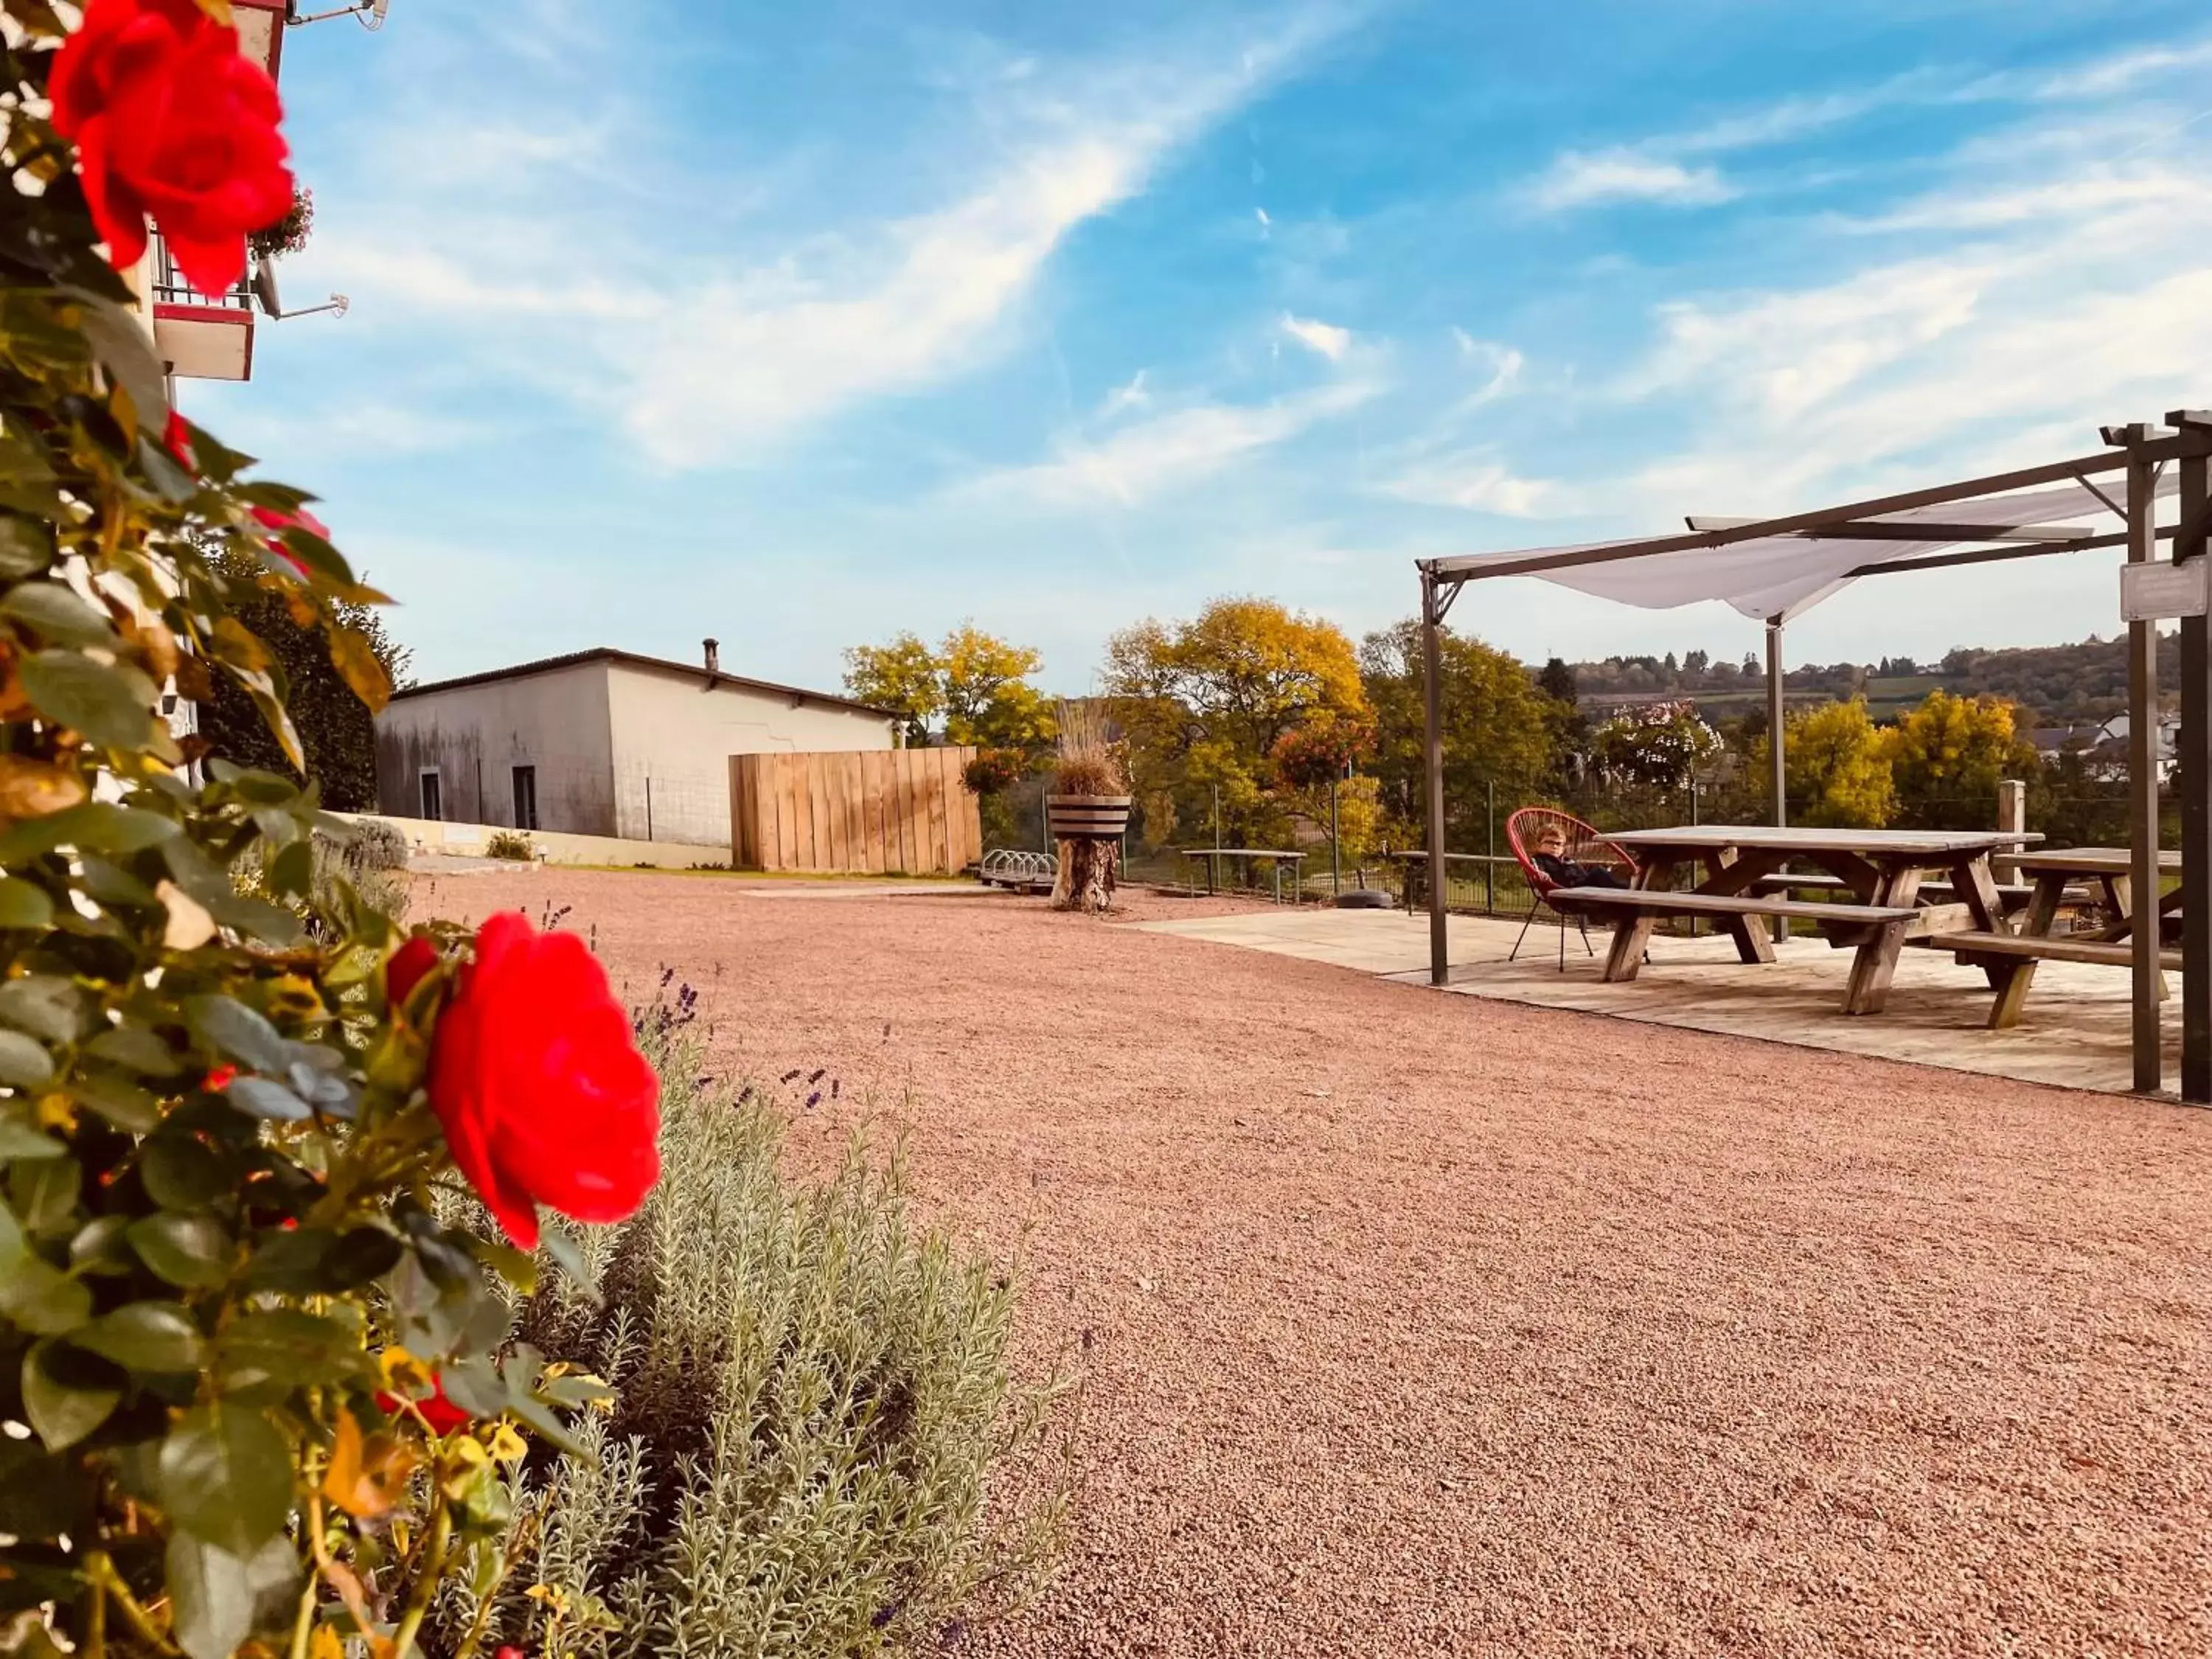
(1421, 1324)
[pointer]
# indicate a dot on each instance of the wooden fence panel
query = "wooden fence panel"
(872, 812)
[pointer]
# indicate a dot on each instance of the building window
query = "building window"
(434, 808)
(526, 797)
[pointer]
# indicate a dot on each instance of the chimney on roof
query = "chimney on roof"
(714, 656)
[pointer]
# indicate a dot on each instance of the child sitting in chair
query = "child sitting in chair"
(1550, 856)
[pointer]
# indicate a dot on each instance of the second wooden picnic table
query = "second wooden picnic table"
(1882, 869)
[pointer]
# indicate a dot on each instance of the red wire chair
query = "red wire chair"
(1584, 846)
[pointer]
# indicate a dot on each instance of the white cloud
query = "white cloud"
(1122, 398)
(1579, 178)
(1502, 363)
(1330, 341)
(1146, 460)
(714, 357)
(2123, 70)
(1478, 480)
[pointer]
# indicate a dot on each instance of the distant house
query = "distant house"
(601, 742)
(2108, 746)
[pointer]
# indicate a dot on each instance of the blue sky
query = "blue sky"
(803, 326)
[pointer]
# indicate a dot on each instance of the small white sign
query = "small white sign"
(2161, 588)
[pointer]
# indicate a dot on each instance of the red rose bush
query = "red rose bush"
(266, 1393)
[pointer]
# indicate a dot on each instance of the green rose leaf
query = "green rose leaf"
(20, 1142)
(158, 1337)
(475, 1386)
(256, 1096)
(117, 1099)
(42, 1496)
(27, 546)
(47, 1005)
(67, 1394)
(23, 1063)
(228, 1026)
(211, 1595)
(137, 1049)
(181, 1173)
(42, 1299)
(279, 1349)
(102, 1245)
(94, 827)
(226, 1478)
(23, 904)
(44, 1193)
(56, 613)
(112, 706)
(191, 1251)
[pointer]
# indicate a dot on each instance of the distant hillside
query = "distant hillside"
(2058, 684)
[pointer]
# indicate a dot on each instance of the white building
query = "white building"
(601, 742)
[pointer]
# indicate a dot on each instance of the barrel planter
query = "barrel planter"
(1087, 817)
(1089, 829)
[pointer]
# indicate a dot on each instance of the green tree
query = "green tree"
(1837, 767)
(1557, 681)
(1500, 730)
(974, 688)
(903, 677)
(337, 731)
(1204, 701)
(1949, 756)
(986, 695)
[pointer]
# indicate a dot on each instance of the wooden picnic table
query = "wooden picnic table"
(2009, 958)
(1881, 869)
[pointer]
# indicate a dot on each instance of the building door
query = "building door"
(434, 809)
(526, 797)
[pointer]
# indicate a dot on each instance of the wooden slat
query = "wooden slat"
(932, 773)
(962, 841)
(2050, 948)
(856, 813)
(741, 839)
(777, 780)
(1729, 904)
(875, 773)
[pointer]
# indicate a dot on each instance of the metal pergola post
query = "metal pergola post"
(2143, 784)
(2193, 778)
(1432, 702)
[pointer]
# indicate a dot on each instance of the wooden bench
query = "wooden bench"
(2009, 959)
(1880, 930)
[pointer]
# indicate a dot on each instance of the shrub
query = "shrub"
(811, 1391)
(510, 844)
(994, 769)
(1091, 760)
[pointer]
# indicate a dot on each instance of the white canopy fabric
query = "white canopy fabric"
(1786, 576)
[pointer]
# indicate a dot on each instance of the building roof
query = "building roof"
(609, 653)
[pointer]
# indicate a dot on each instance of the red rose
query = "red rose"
(219, 1077)
(441, 1413)
(176, 439)
(408, 963)
(269, 518)
(170, 121)
(545, 1096)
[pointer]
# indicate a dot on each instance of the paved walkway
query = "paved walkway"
(2075, 1033)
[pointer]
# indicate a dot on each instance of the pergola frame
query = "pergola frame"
(2138, 454)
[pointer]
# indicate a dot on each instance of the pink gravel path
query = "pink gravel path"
(1425, 1325)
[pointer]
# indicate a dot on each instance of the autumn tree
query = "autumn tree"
(974, 688)
(337, 732)
(1949, 756)
(1500, 728)
(1837, 767)
(1204, 703)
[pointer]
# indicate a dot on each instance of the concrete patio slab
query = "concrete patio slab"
(2075, 1033)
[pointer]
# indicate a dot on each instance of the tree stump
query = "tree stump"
(1088, 871)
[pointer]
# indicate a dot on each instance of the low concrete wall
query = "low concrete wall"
(469, 840)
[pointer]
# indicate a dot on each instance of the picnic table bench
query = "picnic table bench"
(2010, 957)
(1882, 869)
(1641, 908)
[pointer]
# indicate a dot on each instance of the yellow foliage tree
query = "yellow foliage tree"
(1949, 756)
(1204, 701)
(1837, 766)
(975, 683)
